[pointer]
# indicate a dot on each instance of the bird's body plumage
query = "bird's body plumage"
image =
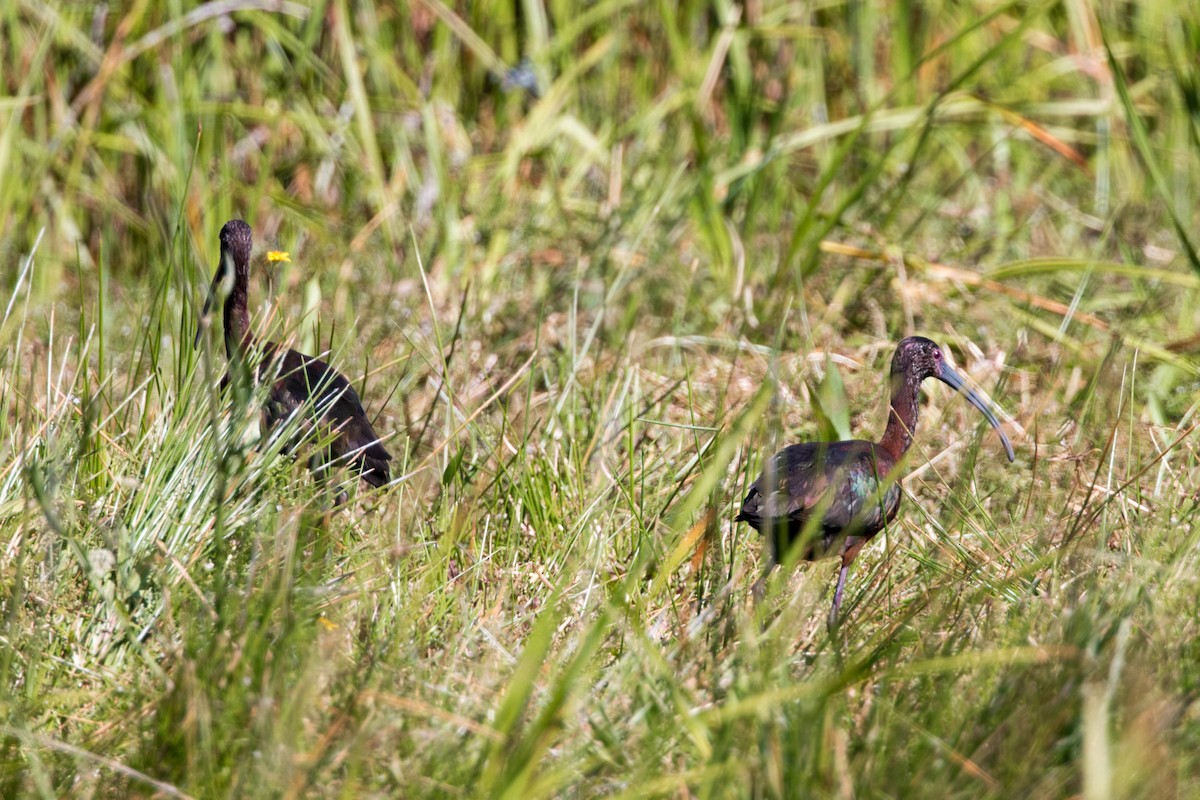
(846, 483)
(300, 381)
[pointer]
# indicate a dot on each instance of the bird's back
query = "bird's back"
(299, 380)
(845, 482)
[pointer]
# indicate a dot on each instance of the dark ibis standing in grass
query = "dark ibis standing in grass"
(840, 494)
(300, 384)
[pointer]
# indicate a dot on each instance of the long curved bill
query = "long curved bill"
(952, 379)
(224, 270)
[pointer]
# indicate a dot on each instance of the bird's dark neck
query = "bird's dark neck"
(902, 416)
(237, 316)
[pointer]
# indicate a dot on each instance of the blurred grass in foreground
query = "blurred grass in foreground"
(586, 316)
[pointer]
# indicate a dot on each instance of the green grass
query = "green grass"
(585, 318)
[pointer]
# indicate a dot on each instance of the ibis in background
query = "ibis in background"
(838, 495)
(300, 385)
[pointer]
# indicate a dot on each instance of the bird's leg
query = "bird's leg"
(322, 474)
(759, 590)
(849, 553)
(837, 595)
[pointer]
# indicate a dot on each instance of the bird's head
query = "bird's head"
(918, 358)
(237, 240)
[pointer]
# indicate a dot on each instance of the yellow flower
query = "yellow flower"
(278, 255)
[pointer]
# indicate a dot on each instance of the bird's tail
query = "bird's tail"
(750, 508)
(374, 470)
